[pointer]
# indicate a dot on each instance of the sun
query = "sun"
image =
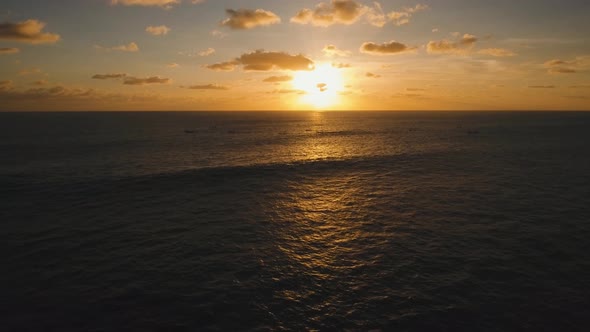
(321, 86)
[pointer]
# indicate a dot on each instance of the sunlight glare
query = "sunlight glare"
(321, 86)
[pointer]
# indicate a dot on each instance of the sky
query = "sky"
(93, 55)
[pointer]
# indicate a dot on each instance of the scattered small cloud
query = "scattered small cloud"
(560, 70)
(144, 81)
(435, 30)
(558, 66)
(130, 80)
(497, 52)
(278, 79)
(372, 75)
(173, 65)
(39, 83)
(9, 50)
(341, 65)
(108, 76)
(445, 46)
(223, 66)
(579, 86)
(30, 71)
(243, 19)
(131, 47)
(167, 4)
(29, 31)
(542, 86)
(261, 60)
(332, 50)
(207, 52)
(208, 87)
(403, 17)
(388, 48)
(218, 34)
(160, 30)
(415, 89)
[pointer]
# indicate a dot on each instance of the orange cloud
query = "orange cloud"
(265, 61)
(326, 14)
(9, 50)
(208, 87)
(331, 50)
(160, 30)
(243, 19)
(462, 46)
(389, 48)
(29, 31)
(144, 81)
(277, 79)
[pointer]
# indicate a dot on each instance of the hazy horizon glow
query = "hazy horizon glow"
(294, 55)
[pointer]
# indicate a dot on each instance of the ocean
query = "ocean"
(293, 221)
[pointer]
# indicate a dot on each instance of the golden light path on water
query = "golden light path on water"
(321, 86)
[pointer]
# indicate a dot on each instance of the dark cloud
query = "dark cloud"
(277, 79)
(265, 61)
(542, 86)
(389, 48)
(108, 76)
(29, 31)
(153, 3)
(144, 81)
(208, 87)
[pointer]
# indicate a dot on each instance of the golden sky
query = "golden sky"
(294, 55)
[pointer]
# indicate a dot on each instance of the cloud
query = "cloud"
(349, 11)
(144, 81)
(242, 19)
(326, 14)
(389, 48)
(265, 61)
(108, 76)
(497, 52)
(331, 50)
(223, 66)
(542, 86)
(462, 46)
(289, 91)
(131, 47)
(9, 50)
(403, 17)
(208, 87)
(341, 65)
(579, 86)
(29, 31)
(173, 65)
(56, 92)
(558, 66)
(560, 70)
(39, 82)
(372, 75)
(160, 30)
(130, 80)
(31, 71)
(207, 52)
(5, 85)
(148, 3)
(277, 79)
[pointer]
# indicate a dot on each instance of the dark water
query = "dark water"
(295, 221)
